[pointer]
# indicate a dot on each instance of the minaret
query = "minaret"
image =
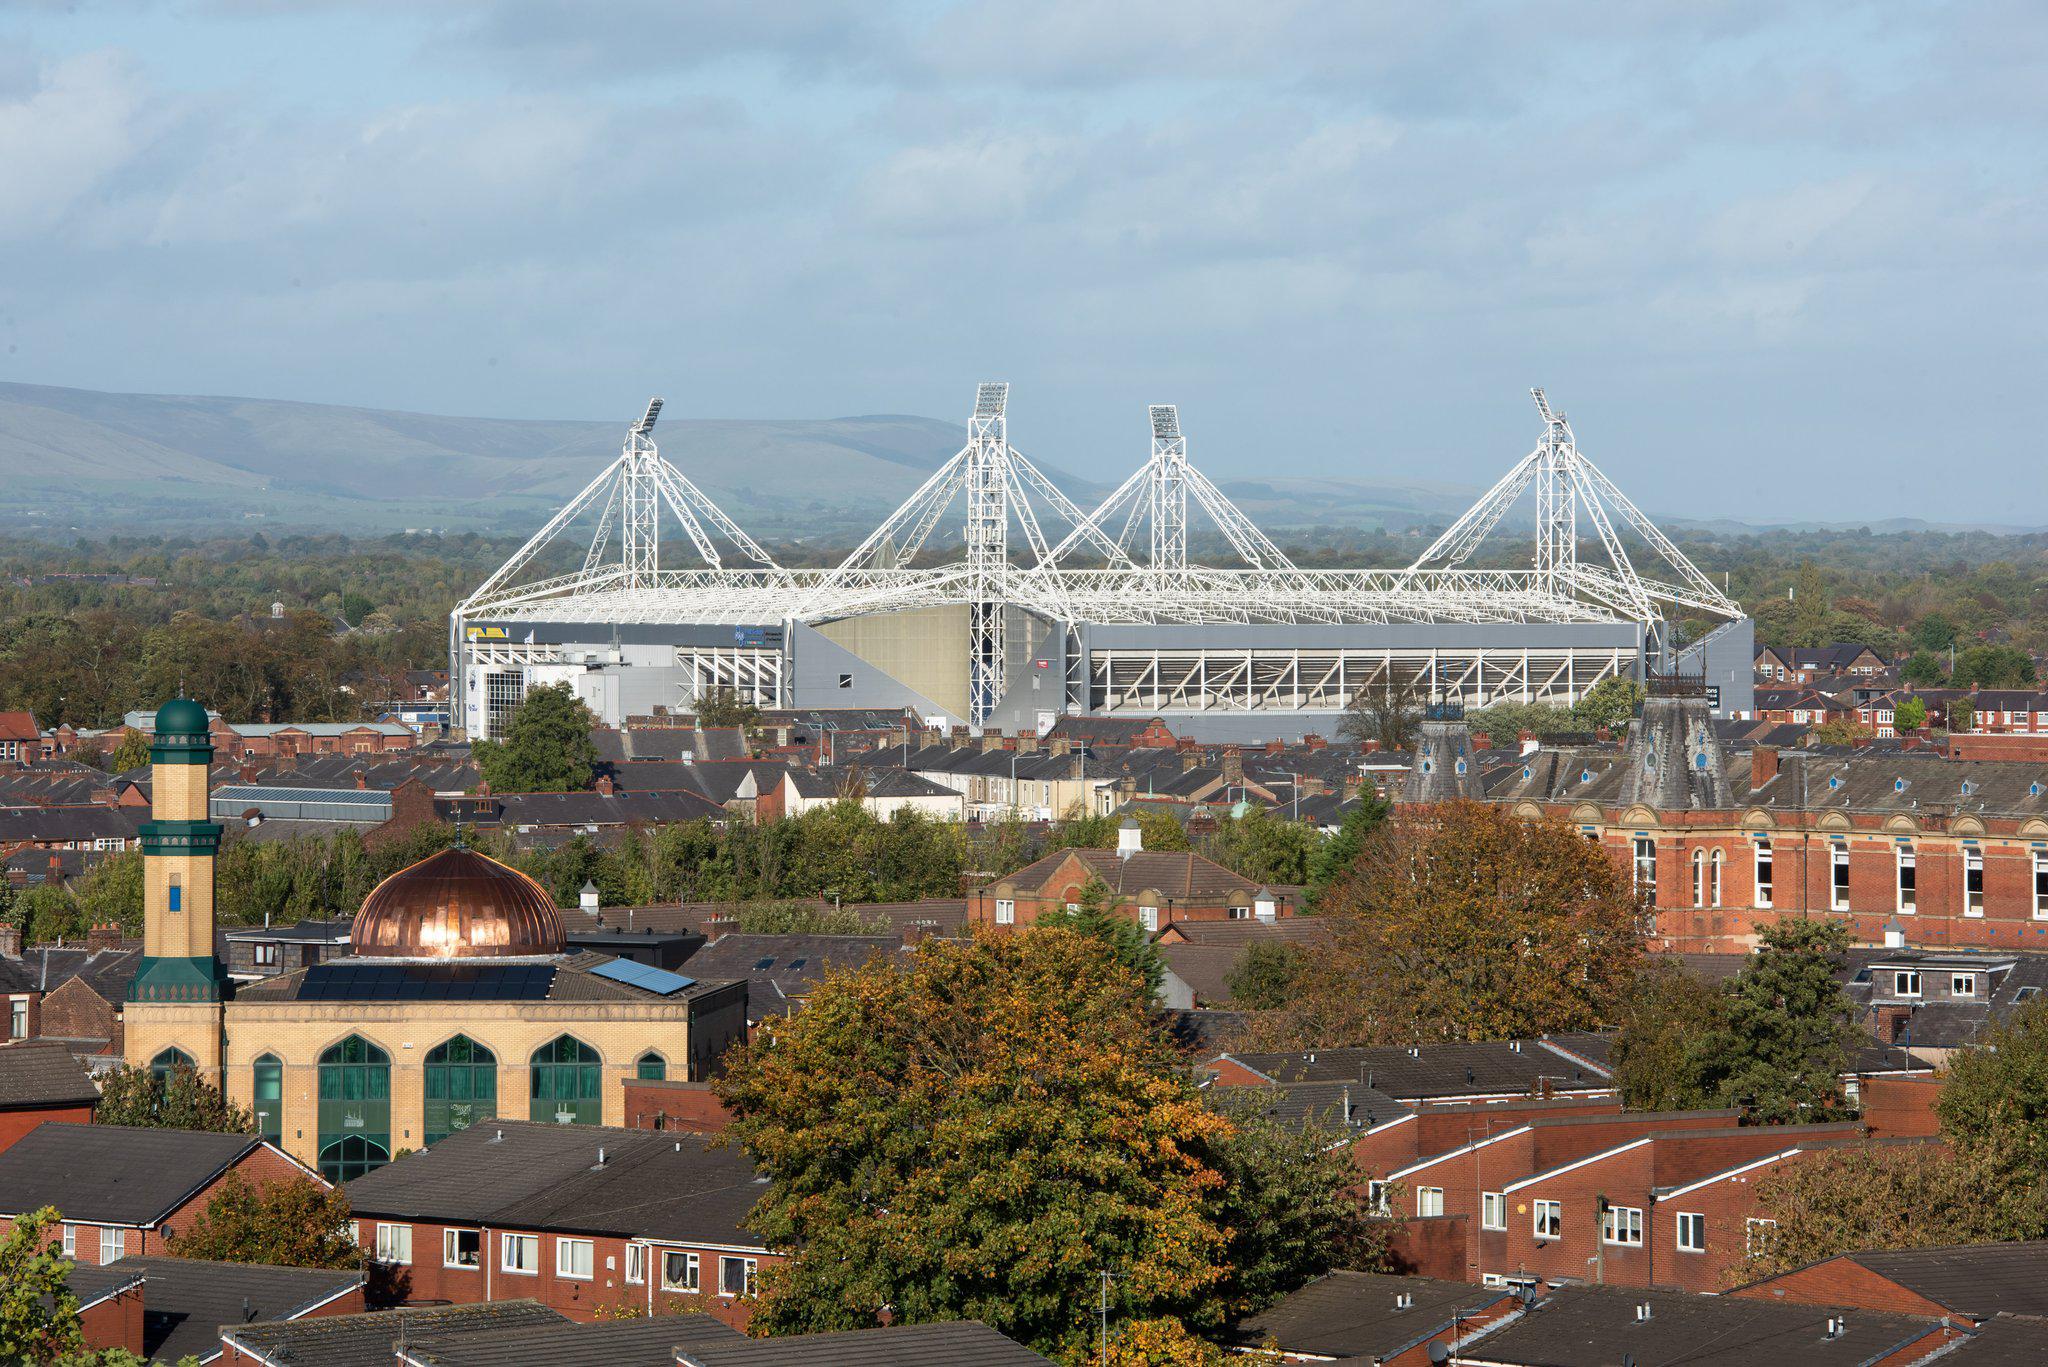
(174, 1001)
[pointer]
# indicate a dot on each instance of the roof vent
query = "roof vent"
(1404, 1300)
(1515, 1045)
(1837, 1326)
(1414, 1051)
(1642, 1312)
(498, 1138)
(600, 1155)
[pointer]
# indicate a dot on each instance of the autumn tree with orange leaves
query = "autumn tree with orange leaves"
(982, 1132)
(1461, 921)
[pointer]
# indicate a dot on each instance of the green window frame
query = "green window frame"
(267, 1091)
(651, 1067)
(461, 1087)
(355, 1109)
(170, 1061)
(567, 1083)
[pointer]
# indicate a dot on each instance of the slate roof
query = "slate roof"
(959, 1343)
(616, 1343)
(1327, 1105)
(1594, 1326)
(1975, 1280)
(517, 1174)
(2007, 1341)
(604, 809)
(1434, 1070)
(780, 970)
(1183, 876)
(1354, 1314)
(369, 1340)
(38, 1073)
(92, 1283)
(572, 980)
(55, 825)
(109, 1174)
(187, 1300)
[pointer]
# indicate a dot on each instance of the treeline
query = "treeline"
(838, 853)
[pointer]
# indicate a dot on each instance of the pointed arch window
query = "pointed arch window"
(567, 1083)
(355, 1109)
(651, 1067)
(461, 1084)
(267, 1089)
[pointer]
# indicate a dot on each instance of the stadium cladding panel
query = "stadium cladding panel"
(1039, 608)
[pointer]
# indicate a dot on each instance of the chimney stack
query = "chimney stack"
(10, 941)
(102, 937)
(1763, 766)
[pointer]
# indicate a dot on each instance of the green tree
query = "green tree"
(38, 1313)
(1503, 723)
(1909, 715)
(1962, 715)
(1810, 614)
(183, 1100)
(1609, 703)
(547, 746)
(1263, 977)
(807, 918)
(1665, 1022)
(1931, 633)
(1993, 667)
(131, 754)
(1923, 670)
(1264, 847)
(1995, 1103)
(356, 608)
(295, 1223)
(974, 1136)
(726, 707)
(110, 894)
(1463, 922)
(1781, 1051)
(1101, 915)
(1841, 731)
(47, 912)
(1337, 854)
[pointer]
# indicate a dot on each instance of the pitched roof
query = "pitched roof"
(370, 1339)
(1431, 1070)
(2006, 1341)
(518, 1174)
(1976, 1280)
(1594, 1326)
(617, 1343)
(1183, 876)
(958, 1343)
(109, 1174)
(1356, 1314)
(43, 1073)
(187, 1300)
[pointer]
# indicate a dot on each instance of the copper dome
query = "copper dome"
(457, 904)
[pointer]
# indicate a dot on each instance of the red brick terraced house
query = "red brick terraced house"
(121, 1190)
(1974, 1282)
(579, 1218)
(1157, 889)
(1907, 849)
(39, 1082)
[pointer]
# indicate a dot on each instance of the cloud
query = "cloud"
(65, 137)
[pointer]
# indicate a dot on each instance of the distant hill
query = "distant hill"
(94, 462)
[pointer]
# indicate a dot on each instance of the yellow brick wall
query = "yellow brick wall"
(298, 1032)
(149, 1028)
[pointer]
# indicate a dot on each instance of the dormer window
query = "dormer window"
(1898, 785)
(1835, 782)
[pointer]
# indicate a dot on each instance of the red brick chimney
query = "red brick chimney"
(10, 941)
(102, 937)
(362, 781)
(1312, 741)
(605, 785)
(1763, 766)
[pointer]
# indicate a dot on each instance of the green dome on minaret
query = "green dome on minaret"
(183, 734)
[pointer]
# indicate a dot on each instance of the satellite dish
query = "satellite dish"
(1439, 1352)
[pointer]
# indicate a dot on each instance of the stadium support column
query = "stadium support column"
(988, 561)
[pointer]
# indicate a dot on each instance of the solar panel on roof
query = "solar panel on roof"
(427, 982)
(659, 981)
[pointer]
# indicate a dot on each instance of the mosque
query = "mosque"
(459, 1000)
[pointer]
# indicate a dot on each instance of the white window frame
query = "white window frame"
(1429, 1201)
(749, 1268)
(1906, 867)
(17, 1018)
(113, 1245)
(564, 1251)
(1554, 1210)
(1838, 878)
(1962, 985)
(1622, 1227)
(1973, 897)
(1714, 862)
(71, 1241)
(1643, 854)
(1240, 913)
(1751, 1227)
(692, 1264)
(2041, 885)
(1148, 917)
(1376, 1198)
(1899, 979)
(1006, 911)
(266, 955)
(508, 1244)
(1765, 872)
(451, 1249)
(1699, 878)
(394, 1243)
(1695, 1223)
(1493, 1210)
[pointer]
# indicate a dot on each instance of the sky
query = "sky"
(1777, 260)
